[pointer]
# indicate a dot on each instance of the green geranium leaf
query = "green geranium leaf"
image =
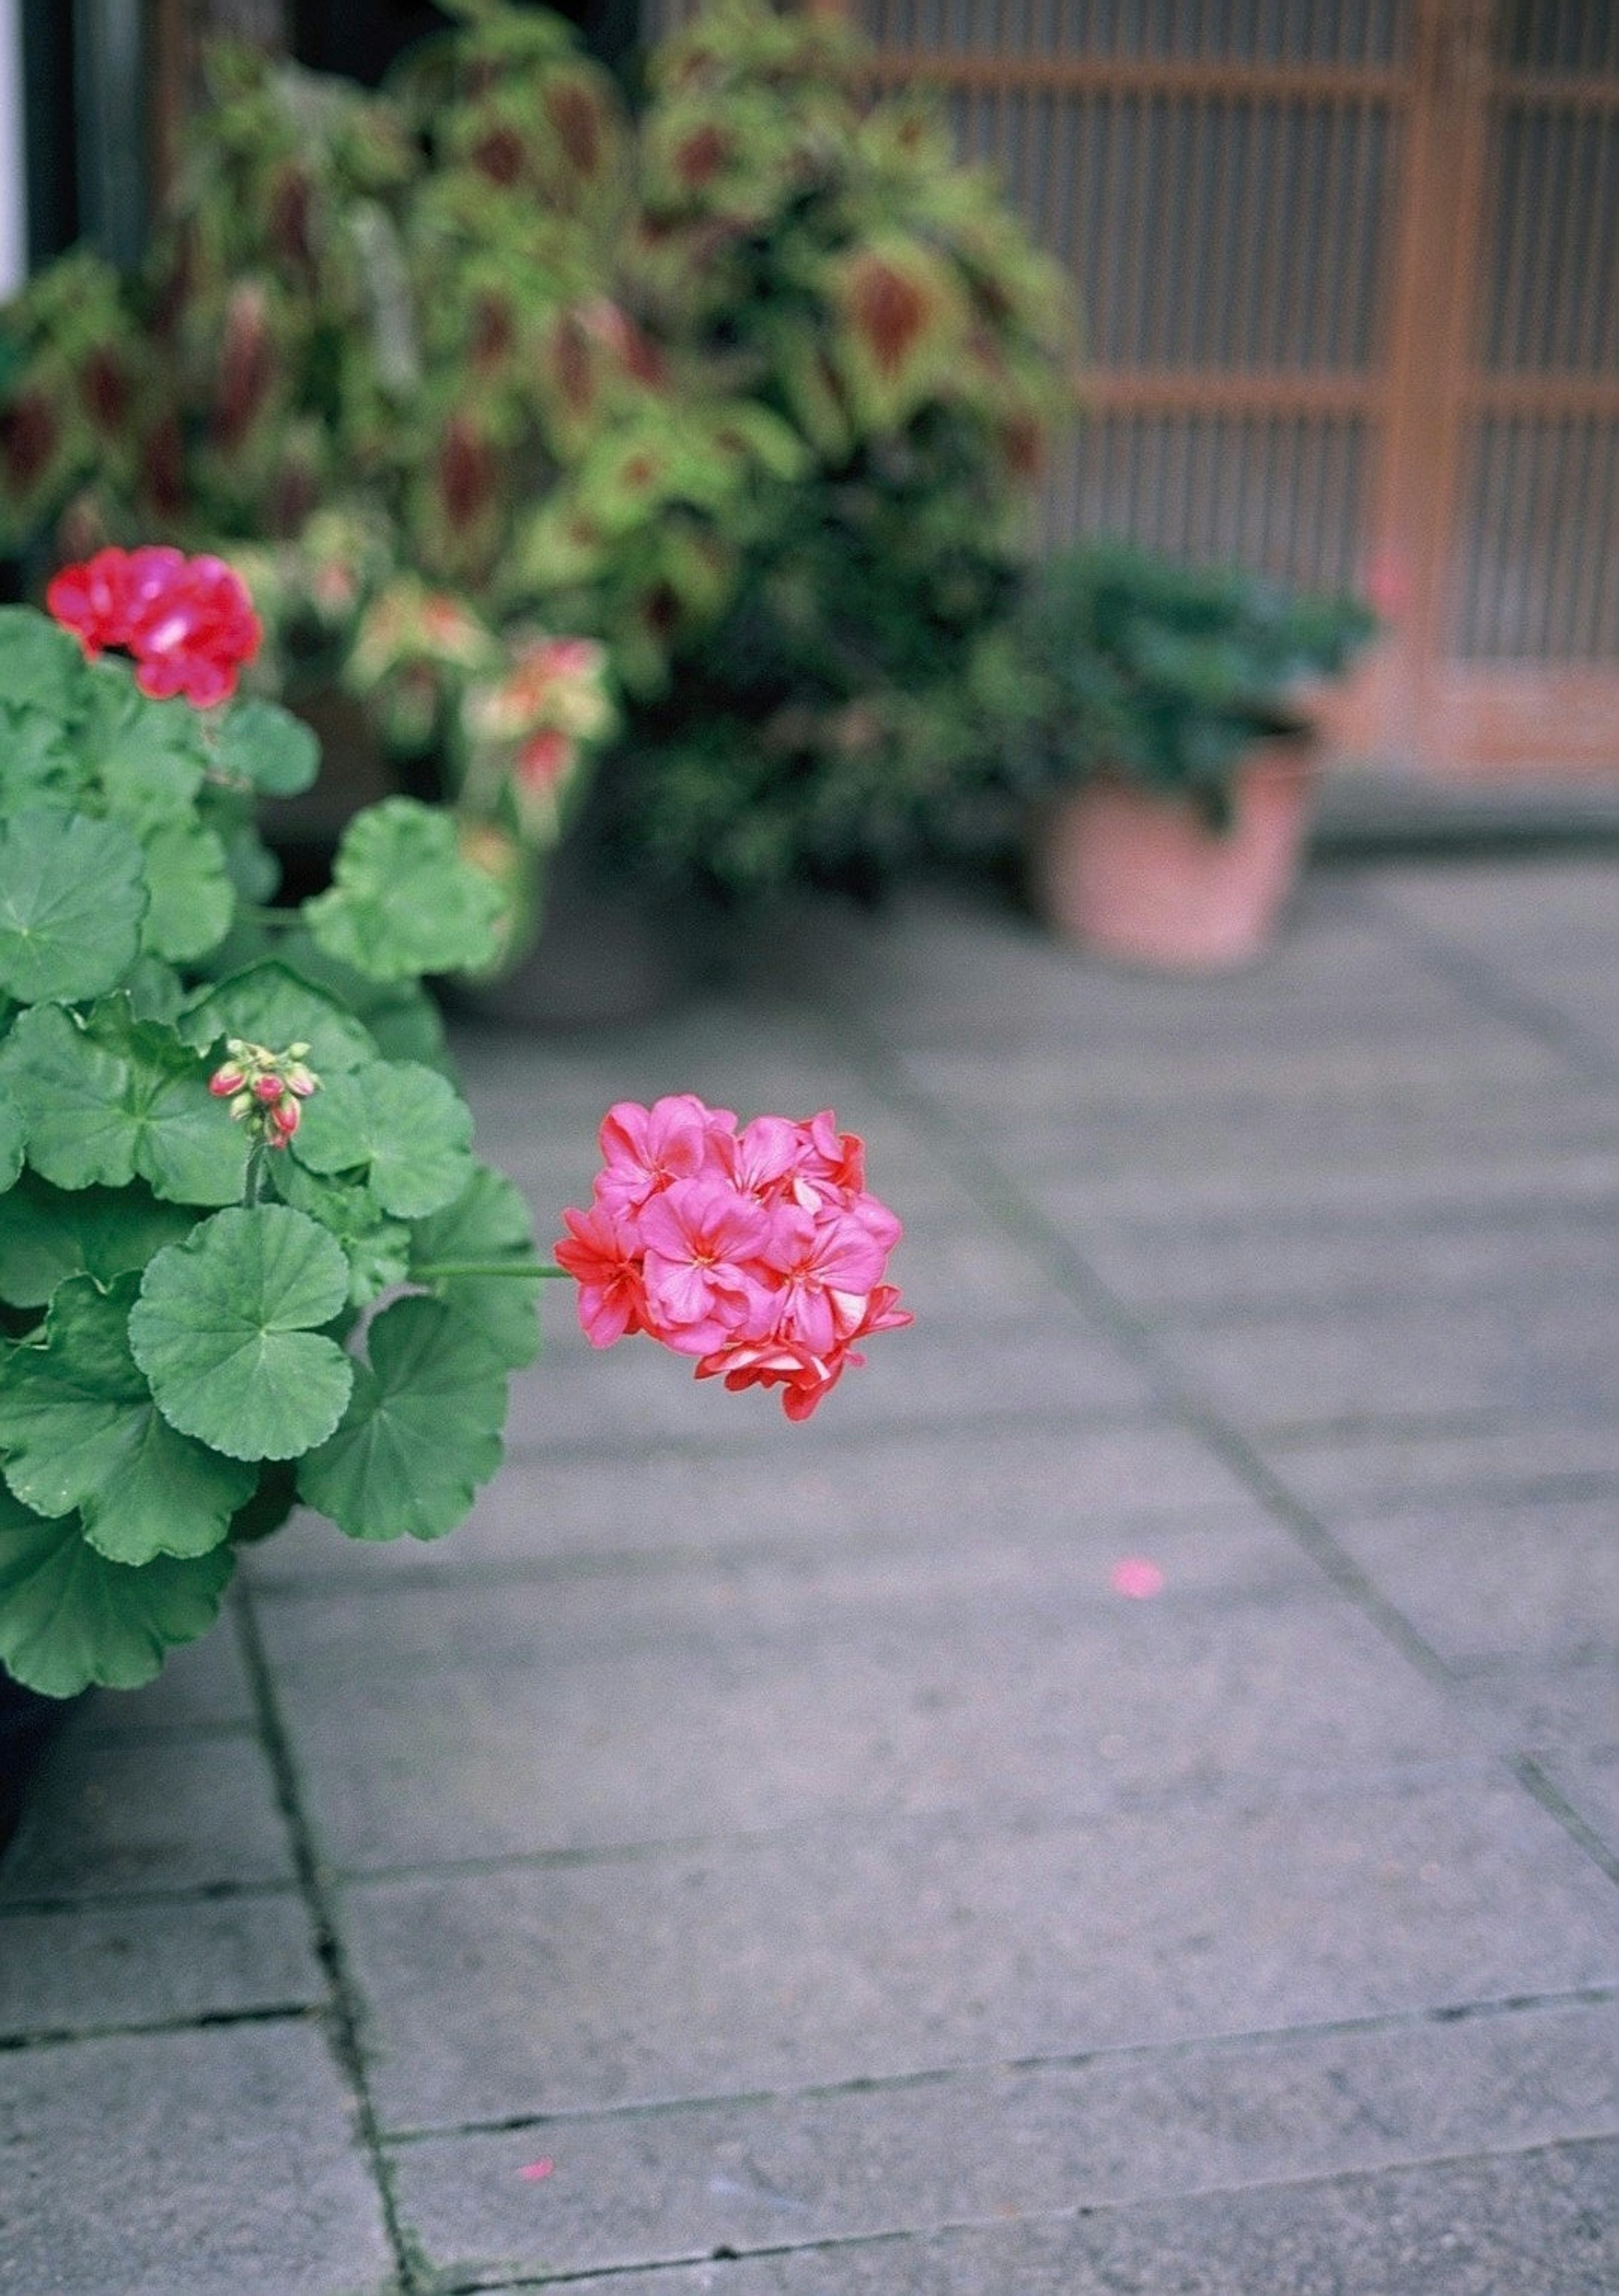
(72, 897)
(405, 1128)
(68, 1616)
(399, 1015)
(48, 1234)
(38, 763)
(11, 1140)
(268, 747)
(79, 1430)
(226, 1330)
(255, 871)
(420, 1432)
(42, 667)
(267, 1004)
(155, 990)
(193, 897)
(148, 756)
(379, 1248)
(111, 1098)
(487, 1221)
(403, 900)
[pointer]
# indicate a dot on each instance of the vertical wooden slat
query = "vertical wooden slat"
(1322, 307)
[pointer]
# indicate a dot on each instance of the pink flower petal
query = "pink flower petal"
(1135, 1576)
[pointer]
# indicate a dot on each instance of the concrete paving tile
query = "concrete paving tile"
(203, 1685)
(1215, 1264)
(1572, 1703)
(1268, 1140)
(954, 966)
(635, 2188)
(1504, 908)
(185, 2164)
(467, 1724)
(1214, 1560)
(1550, 1359)
(1542, 2220)
(887, 1492)
(1345, 1476)
(1485, 1578)
(1589, 1778)
(931, 1375)
(745, 1059)
(106, 1817)
(1041, 1079)
(143, 1964)
(1297, 1188)
(867, 1950)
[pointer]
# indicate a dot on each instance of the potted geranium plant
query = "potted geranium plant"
(1162, 721)
(247, 1255)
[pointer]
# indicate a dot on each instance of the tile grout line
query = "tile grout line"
(1076, 2212)
(56, 2037)
(342, 2021)
(1105, 2054)
(1004, 1202)
(1492, 992)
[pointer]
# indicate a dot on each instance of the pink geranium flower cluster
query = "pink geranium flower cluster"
(758, 1250)
(189, 622)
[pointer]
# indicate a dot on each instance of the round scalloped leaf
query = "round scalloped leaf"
(269, 749)
(193, 897)
(155, 990)
(488, 1221)
(267, 1004)
(405, 1128)
(404, 900)
(72, 899)
(421, 1431)
(68, 1616)
(400, 1017)
(48, 1234)
(111, 1098)
(41, 666)
(148, 755)
(377, 1247)
(12, 1137)
(79, 1430)
(226, 1330)
(38, 762)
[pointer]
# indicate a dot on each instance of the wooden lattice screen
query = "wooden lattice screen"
(1350, 270)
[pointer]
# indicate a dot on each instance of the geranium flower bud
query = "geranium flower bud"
(225, 1082)
(269, 1088)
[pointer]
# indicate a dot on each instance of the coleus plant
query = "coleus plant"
(247, 1255)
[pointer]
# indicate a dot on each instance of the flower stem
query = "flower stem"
(442, 1271)
(253, 1185)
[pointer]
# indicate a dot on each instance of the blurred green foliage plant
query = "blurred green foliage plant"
(1165, 675)
(750, 390)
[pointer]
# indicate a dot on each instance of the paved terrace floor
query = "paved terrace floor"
(776, 1862)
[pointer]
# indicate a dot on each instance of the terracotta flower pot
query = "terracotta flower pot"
(1143, 879)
